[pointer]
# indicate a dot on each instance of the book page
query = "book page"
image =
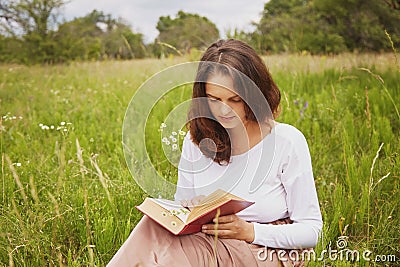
(219, 196)
(174, 207)
(215, 199)
(208, 206)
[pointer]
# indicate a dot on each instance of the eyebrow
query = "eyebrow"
(235, 96)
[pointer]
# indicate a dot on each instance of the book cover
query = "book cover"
(180, 220)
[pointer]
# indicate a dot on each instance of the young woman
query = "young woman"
(235, 144)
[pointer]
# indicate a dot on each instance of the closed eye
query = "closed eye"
(212, 99)
(234, 99)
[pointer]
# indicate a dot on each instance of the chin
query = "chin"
(228, 125)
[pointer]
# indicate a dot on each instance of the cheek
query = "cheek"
(239, 109)
(212, 106)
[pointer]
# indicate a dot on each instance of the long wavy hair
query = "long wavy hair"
(234, 58)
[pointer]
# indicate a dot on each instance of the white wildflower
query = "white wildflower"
(163, 125)
(174, 133)
(62, 123)
(182, 132)
(167, 143)
(18, 164)
(174, 146)
(52, 127)
(174, 140)
(164, 140)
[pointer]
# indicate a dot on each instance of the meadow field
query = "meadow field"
(68, 198)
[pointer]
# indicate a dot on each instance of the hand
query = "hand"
(231, 226)
(192, 202)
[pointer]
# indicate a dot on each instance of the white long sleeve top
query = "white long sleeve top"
(276, 174)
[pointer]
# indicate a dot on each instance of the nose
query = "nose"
(225, 109)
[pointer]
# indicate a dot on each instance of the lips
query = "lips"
(226, 119)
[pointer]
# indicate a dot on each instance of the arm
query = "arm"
(185, 184)
(302, 203)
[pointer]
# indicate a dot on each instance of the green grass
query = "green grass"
(72, 200)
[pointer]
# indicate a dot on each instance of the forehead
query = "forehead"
(220, 86)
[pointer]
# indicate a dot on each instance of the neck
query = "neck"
(246, 136)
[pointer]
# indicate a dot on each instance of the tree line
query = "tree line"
(31, 31)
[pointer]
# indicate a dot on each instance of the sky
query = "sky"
(143, 15)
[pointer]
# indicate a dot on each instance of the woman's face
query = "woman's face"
(226, 106)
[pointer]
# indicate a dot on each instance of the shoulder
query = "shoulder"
(189, 147)
(288, 133)
(188, 139)
(291, 138)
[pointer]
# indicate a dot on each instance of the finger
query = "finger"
(222, 226)
(198, 199)
(208, 226)
(220, 233)
(190, 205)
(225, 219)
(184, 203)
(195, 202)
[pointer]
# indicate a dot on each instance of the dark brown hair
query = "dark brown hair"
(235, 58)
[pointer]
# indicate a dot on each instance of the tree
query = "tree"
(29, 16)
(79, 38)
(395, 4)
(98, 36)
(326, 26)
(31, 34)
(235, 33)
(121, 42)
(32, 21)
(292, 26)
(361, 23)
(186, 31)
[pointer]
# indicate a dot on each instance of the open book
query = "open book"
(180, 220)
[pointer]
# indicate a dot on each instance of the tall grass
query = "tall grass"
(68, 198)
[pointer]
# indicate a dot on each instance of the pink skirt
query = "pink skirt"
(150, 244)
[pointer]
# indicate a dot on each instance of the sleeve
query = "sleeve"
(185, 184)
(302, 203)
